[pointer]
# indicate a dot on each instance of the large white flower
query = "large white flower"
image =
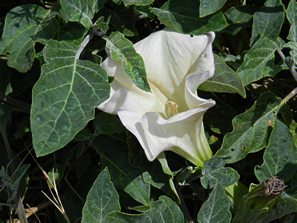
(170, 116)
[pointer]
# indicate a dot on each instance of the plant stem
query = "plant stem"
(84, 44)
(289, 96)
(26, 107)
(183, 205)
(290, 64)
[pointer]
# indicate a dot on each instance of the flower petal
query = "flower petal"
(170, 57)
(122, 81)
(183, 133)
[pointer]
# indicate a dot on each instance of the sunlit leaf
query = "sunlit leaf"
(24, 26)
(101, 200)
(280, 156)
(208, 7)
(122, 49)
(268, 21)
(78, 12)
(224, 80)
(163, 210)
(183, 16)
(292, 17)
(251, 130)
(65, 97)
(216, 208)
(259, 62)
(138, 2)
(214, 172)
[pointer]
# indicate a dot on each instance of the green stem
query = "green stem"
(26, 107)
(183, 205)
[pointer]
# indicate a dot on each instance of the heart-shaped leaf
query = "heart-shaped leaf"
(65, 96)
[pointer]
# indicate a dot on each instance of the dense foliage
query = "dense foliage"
(90, 168)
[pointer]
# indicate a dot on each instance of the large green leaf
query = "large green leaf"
(183, 16)
(214, 172)
(80, 11)
(280, 156)
(25, 25)
(216, 208)
(163, 210)
(224, 80)
(64, 97)
(208, 7)
(122, 49)
(259, 62)
(251, 130)
(292, 17)
(114, 155)
(101, 200)
(268, 21)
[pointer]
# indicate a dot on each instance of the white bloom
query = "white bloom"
(170, 116)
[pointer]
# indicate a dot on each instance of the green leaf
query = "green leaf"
(64, 97)
(146, 11)
(114, 155)
(208, 7)
(25, 25)
(280, 156)
(183, 16)
(138, 2)
(13, 181)
(292, 17)
(100, 5)
(78, 11)
(216, 208)
(122, 49)
(268, 21)
(163, 210)
(246, 214)
(214, 172)
(102, 199)
(239, 18)
(241, 14)
(235, 193)
(73, 32)
(259, 62)
(224, 80)
(107, 124)
(251, 130)
(122, 19)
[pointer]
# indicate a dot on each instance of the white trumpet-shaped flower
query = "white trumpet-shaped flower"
(170, 116)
